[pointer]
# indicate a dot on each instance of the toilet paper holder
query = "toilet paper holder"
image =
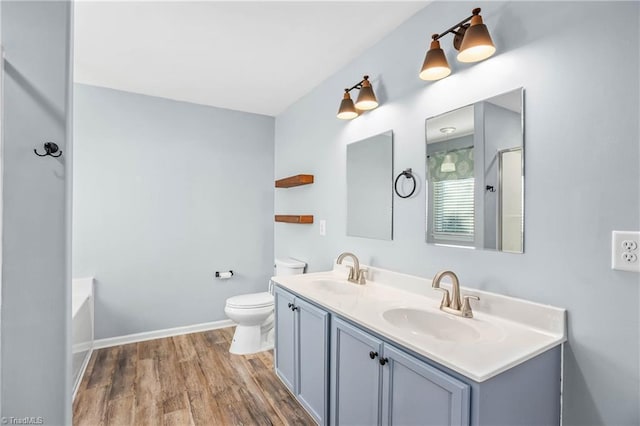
(224, 274)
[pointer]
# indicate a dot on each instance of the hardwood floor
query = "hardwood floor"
(184, 380)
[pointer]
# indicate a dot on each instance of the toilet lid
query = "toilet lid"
(253, 300)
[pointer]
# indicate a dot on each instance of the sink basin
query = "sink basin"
(435, 324)
(337, 287)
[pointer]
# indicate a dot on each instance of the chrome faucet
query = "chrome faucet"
(453, 305)
(356, 275)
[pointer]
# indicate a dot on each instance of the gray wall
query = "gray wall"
(451, 144)
(165, 194)
(502, 130)
(35, 273)
(582, 156)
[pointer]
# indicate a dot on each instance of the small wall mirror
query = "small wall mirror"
(475, 175)
(369, 187)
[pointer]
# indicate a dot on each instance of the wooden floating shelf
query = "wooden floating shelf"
(294, 218)
(292, 181)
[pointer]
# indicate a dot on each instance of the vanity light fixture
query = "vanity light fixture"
(366, 100)
(472, 40)
(347, 110)
(448, 165)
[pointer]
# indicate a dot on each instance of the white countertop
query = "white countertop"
(511, 330)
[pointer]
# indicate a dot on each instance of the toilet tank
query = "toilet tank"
(289, 266)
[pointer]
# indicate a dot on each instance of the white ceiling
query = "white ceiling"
(461, 119)
(250, 56)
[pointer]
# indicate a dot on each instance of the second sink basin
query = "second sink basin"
(336, 287)
(434, 324)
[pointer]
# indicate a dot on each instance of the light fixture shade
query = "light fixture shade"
(448, 165)
(476, 44)
(366, 98)
(347, 110)
(435, 64)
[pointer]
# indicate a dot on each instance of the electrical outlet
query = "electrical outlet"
(323, 227)
(629, 245)
(624, 251)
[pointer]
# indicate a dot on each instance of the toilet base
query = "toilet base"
(251, 339)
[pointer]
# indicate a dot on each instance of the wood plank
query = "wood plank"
(171, 382)
(148, 410)
(121, 411)
(184, 380)
(305, 219)
(249, 397)
(90, 406)
(267, 359)
(239, 399)
(104, 367)
(249, 411)
(202, 404)
(276, 393)
(213, 337)
(149, 349)
(226, 333)
(220, 384)
(220, 380)
(179, 417)
(184, 348)
(292, 181)
(124, 373)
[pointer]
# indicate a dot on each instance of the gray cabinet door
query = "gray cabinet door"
(284, 348)
(355, 377)
(312, 362)
(414, 393)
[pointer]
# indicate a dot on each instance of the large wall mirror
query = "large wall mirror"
(475, 175)
(369, 187)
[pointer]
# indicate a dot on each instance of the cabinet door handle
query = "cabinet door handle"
(290, 305)
(295, 308)
(373, 354)
(383, 361)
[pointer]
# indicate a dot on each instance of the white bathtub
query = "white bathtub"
(82, 326)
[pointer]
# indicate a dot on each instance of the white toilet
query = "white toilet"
(254, 314)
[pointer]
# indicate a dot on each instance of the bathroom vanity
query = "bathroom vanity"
(383, 353)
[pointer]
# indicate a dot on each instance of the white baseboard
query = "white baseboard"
(158, 334)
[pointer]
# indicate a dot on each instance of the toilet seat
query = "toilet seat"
(251, 301)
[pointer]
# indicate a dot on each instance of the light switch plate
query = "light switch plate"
(625, 251)
(323, 227)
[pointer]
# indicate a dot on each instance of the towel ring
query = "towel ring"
(407, 173)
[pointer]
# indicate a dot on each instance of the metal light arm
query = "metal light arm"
(458, 26)
(359, 84)
(458, 30)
